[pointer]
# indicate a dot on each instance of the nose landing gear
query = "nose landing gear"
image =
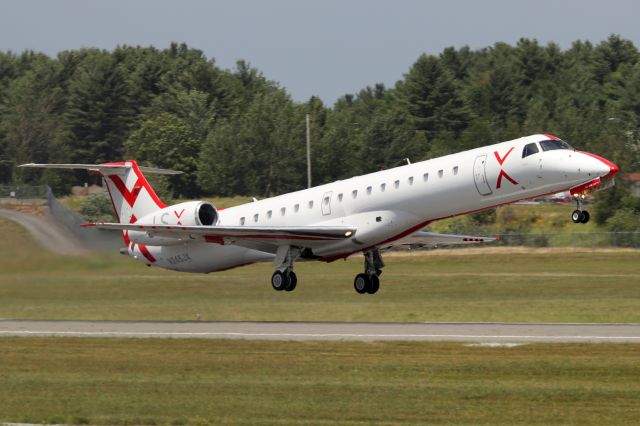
(368, 282)
(579, 215)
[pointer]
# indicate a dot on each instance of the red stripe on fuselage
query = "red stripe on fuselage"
(423, 224)
(276, 236)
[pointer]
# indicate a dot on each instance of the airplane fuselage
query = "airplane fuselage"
(388, 205)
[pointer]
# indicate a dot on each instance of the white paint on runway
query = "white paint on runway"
(459, 332)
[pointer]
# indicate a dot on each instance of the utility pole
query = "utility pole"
(308, 150)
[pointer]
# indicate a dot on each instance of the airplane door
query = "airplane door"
(326, 203)
(480, 175)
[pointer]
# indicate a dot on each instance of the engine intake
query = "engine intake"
(207, 214)
(191, 213)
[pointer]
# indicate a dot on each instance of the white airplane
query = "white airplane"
(368, 214)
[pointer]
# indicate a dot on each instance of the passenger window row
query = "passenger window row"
(354, 194)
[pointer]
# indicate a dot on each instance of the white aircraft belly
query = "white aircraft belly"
(205, 257)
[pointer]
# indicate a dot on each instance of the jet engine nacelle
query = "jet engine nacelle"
(191, 213)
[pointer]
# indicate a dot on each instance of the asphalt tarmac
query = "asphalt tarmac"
(46, 232)
(488, 333)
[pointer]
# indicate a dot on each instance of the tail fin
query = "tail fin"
(131, 194)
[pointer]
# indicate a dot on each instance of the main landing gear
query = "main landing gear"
(284, 278)
(579, 215)
(369, 281)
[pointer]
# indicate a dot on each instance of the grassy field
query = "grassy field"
(548, 285)
(65, 380)
(179, 382)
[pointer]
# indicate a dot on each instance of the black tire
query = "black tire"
(362, 283)
(279, 281)
(576, 216)
(374, 284)
(292, 281)
(585, 217)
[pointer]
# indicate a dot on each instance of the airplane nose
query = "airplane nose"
(602, 167)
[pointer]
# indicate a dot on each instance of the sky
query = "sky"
(324, 48)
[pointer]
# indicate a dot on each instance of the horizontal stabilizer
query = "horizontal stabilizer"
(102, 168)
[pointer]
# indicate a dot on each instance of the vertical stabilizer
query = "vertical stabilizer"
(131, 194)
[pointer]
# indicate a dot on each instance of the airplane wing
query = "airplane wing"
(430, 239)
(265, 238)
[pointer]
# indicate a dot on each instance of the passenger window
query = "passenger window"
(396, 184)
(455, 170)
(369, 189)
(440, 173)
(529, 149)
(425, 177)
(411, 180)
(269, 214)
(296, 208)
(354, 193)
(326, 200)
(383, 186)
(283, 210)
(242, 221)
(310, 204)
(340, 197)
(255, 217)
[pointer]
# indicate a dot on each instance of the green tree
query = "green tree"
(168, 142)
(97, 118)
(259, 152)
(30, 115)
(432, 99)
(98, 208)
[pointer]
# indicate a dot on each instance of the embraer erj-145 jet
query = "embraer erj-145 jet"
(367, 214)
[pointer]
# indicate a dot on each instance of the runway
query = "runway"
(302, 331)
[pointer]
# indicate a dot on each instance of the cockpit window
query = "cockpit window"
(530, 149)
(552, 144)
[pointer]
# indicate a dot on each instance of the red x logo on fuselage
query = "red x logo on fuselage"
(502, 172)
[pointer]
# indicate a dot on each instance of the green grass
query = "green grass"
(525, 218)
(101, 381)
(488, 285)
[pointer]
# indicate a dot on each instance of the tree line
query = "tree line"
(234, 132)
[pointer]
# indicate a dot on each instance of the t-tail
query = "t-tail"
(130, 192)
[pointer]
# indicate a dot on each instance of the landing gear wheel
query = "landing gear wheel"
(585, 217)
(279, 281)
(577, 216)
(374, 284)
(362, 283)
(292, 281)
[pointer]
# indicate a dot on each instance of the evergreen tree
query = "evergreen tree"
(168, 142)
(97, 118)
